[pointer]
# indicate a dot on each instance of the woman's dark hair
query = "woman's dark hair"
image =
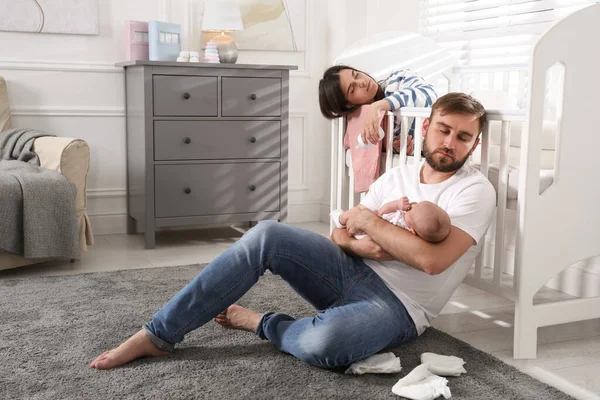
(331, 98)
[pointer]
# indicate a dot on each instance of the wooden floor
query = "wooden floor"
(568, 354)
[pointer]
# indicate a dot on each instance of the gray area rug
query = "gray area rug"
(52, 327)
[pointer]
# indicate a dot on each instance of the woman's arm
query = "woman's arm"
(408, 89)
(370, 132)
(403, 89)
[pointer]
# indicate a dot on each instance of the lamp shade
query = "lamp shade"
(222, 15)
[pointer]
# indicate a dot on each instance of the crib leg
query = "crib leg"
(525, 335)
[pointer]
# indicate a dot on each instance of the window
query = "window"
(492, 32)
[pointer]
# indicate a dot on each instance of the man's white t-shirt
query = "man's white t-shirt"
(468, 198)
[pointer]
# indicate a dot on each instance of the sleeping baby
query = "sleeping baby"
(424, 219)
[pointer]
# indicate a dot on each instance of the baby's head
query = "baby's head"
(428, 221)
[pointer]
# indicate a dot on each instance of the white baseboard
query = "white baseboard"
(325, 213)
(109, 224)
(304, 212)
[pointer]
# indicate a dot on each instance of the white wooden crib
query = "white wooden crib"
(550, 231)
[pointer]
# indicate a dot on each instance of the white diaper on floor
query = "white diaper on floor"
(444, 365)
(386, 363)
(421, 384)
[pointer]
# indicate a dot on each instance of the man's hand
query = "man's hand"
(359, 218)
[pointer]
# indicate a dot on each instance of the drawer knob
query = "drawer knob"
(252, 96)
(252, 188)
(187, 190)
(186, 96)
(252, 139)
(187, 140)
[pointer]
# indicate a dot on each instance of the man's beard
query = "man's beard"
(445, 164)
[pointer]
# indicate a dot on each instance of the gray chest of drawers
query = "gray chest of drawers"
(206, 144)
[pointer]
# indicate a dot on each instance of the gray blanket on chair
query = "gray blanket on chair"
(37, 205)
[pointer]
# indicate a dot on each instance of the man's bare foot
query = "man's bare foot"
(237, 317)
(139, 345)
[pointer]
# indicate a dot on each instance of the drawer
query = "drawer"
(212, 189)
(258, 97)
(185, 95)
(209, 140)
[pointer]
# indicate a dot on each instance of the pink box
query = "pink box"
(136, 40)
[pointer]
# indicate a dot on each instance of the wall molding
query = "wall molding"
(88, 111)
(305, 116)
(91, 67)
(67, 111)
(62, 66)
(298, 188)
(106, 193)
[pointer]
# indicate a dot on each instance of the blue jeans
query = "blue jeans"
(358, 315)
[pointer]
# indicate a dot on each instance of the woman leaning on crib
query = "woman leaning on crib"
(343, 89)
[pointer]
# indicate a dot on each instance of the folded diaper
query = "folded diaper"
(421, 384)
(443, 365)
(386, 363)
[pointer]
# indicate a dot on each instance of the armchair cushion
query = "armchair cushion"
(70, 157)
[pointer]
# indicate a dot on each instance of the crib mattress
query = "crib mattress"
(546, 177)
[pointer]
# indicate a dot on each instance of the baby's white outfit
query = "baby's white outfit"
(396, 218)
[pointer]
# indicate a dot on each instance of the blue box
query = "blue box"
(164, 41)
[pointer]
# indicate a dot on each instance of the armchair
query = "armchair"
(71, 157)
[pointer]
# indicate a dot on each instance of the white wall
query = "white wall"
(67, 85)
(353, 20)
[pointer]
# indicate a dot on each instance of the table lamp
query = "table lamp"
(223, 16)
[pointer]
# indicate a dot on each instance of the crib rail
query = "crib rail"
(497, 267)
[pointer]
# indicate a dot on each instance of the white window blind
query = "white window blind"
(493, 32)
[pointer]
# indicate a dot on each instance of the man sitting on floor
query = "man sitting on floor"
(371, 294)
